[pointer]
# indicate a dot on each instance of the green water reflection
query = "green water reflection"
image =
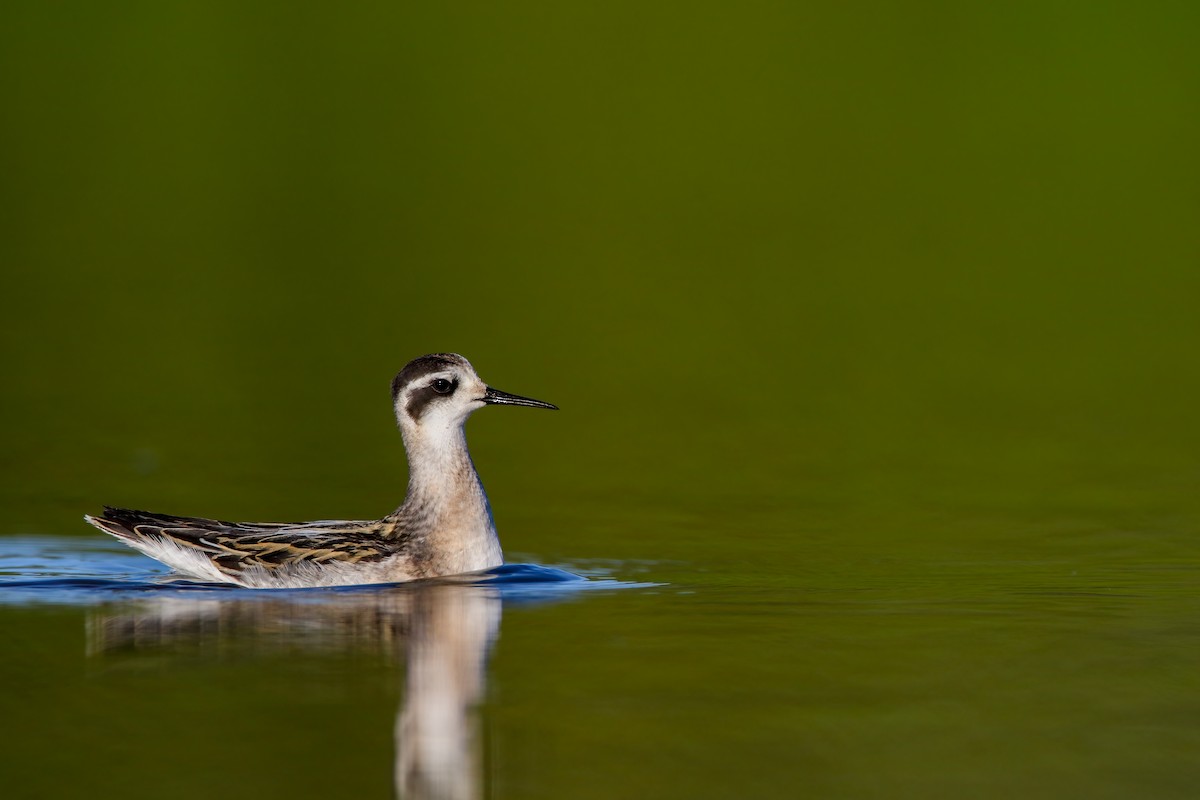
(874, 330)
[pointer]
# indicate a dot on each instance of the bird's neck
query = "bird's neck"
(446, 508)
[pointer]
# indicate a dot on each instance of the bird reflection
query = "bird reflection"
(438, 751)
(444, 631)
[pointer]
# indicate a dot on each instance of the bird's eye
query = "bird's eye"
(443, 386)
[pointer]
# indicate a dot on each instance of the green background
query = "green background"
(873, 327)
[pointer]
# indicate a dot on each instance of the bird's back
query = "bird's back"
(269, 554)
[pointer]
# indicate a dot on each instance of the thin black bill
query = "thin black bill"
(499, 398)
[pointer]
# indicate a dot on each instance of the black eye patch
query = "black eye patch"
(419, 399)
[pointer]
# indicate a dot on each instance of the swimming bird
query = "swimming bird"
(444, 526)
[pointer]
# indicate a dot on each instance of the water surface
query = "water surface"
(944, 677)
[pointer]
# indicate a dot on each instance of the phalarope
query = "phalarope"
(444, 527)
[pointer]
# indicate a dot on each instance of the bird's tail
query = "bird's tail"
(120, 522)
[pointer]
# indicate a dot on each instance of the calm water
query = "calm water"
(863, 675)
(874, 331)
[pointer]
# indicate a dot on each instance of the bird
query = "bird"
(444, 527)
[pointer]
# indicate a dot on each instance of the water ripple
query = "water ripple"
(72, 571)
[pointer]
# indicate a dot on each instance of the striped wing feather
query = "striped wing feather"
(236, 546)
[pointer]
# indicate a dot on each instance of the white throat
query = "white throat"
(446, 502)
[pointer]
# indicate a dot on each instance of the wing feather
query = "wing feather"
(237, 546)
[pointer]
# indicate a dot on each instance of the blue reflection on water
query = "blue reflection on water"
(76, 571)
